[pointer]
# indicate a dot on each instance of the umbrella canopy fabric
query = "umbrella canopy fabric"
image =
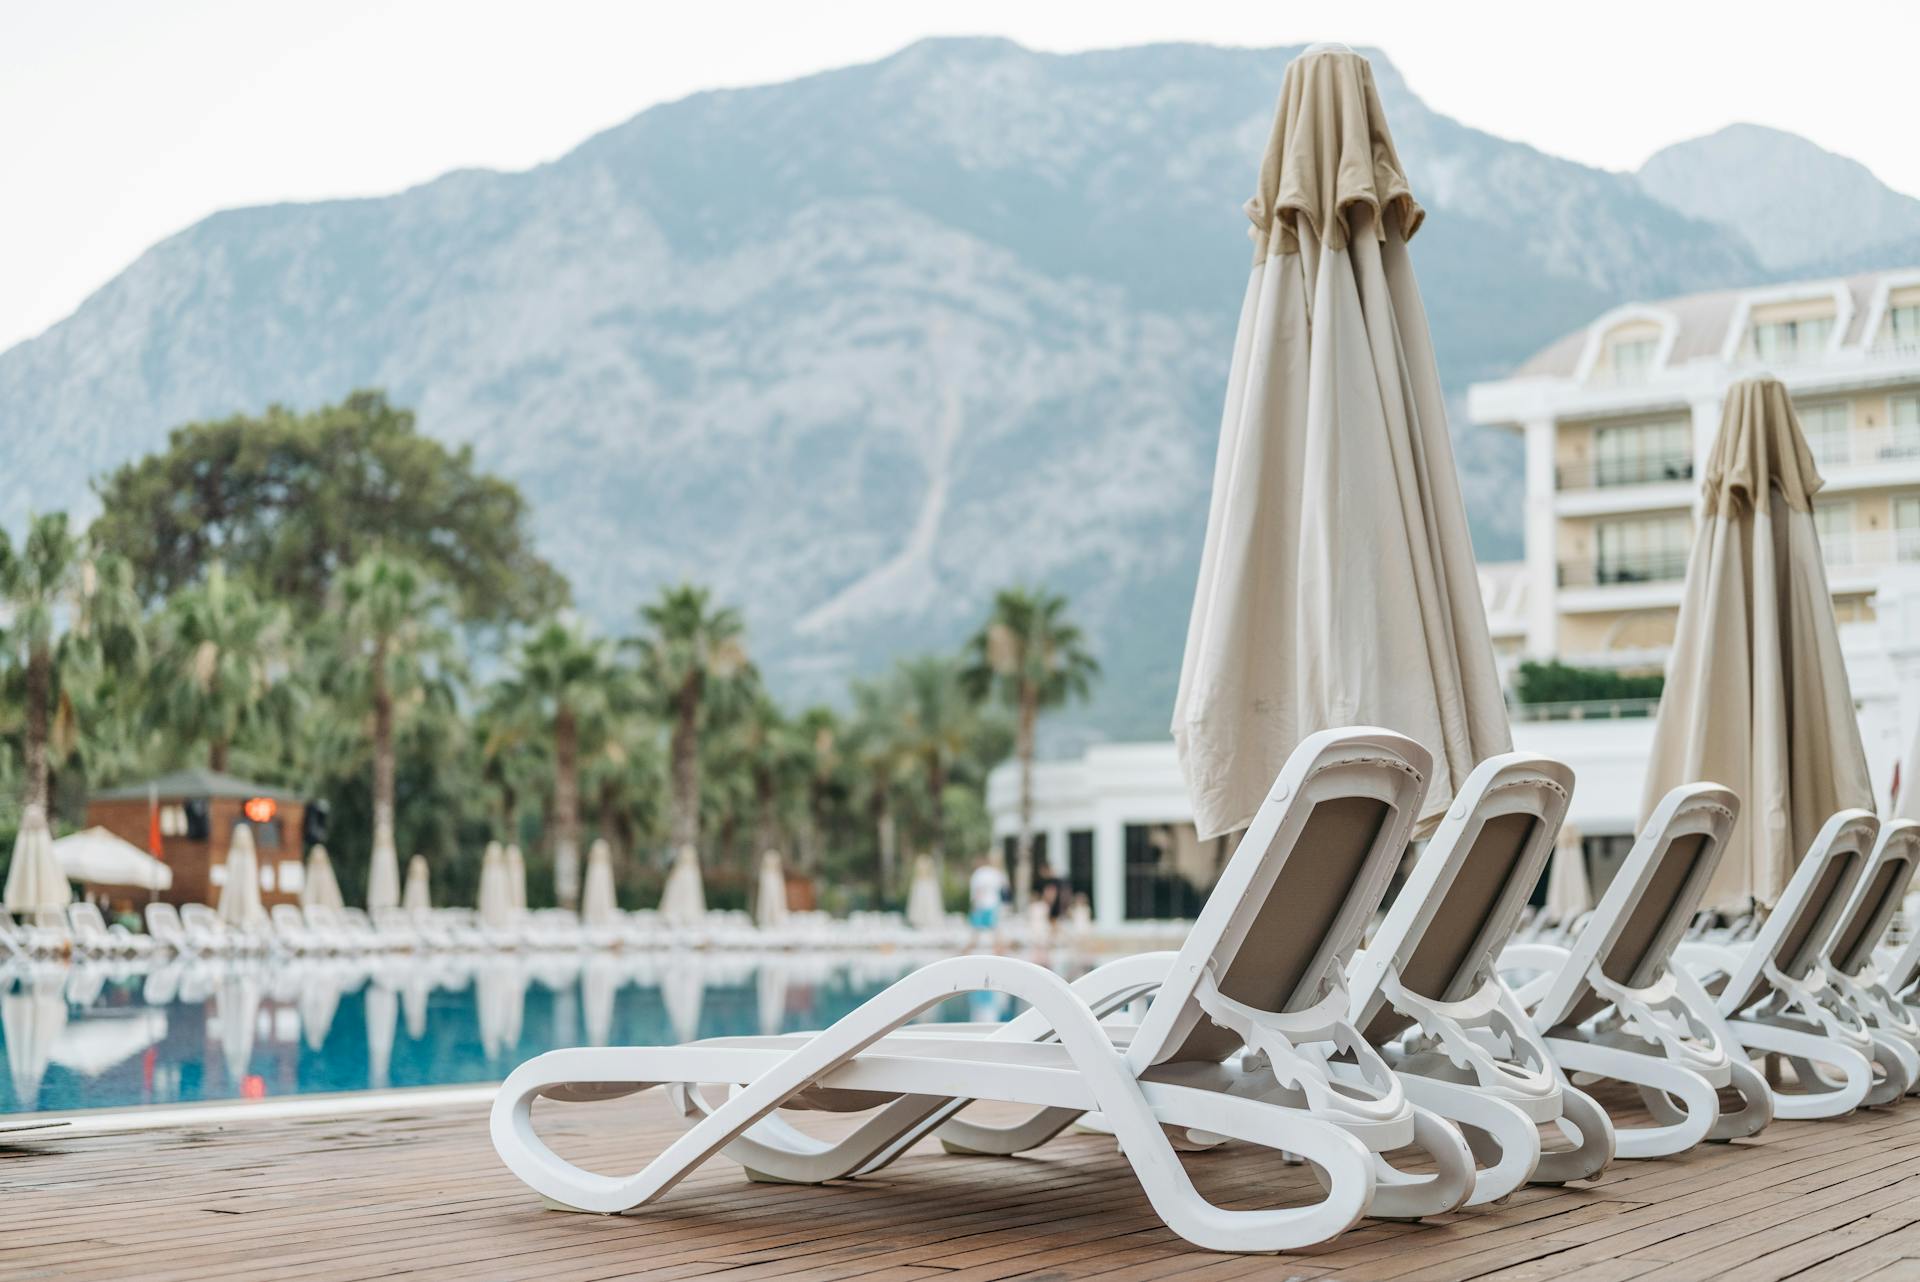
(240, 905)
(238, 1008)
(417, 900)
(1337, 582)
(683, 900)
(926, 907)
(383, 1017)
(35, 883)
(1569, 894)
(517, 878)
(1757, 696)
(97, 857)
(320, 888)
(383, 873)
(770, 908)
(496, 899)
(598, 907)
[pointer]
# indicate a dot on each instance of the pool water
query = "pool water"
(92, 1036)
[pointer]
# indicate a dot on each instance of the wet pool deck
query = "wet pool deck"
(416, 1192)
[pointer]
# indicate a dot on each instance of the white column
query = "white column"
(1542, 539)
(1109, 870)
(1706, 426)
(1057, 857)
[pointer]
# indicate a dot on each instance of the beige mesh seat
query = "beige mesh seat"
(1849, 957)
(1428, 992)
(1240, 1040)
(1612, 1006)
(1775, 992)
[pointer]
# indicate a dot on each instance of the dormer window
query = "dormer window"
(1793, 339)
(1631, 359)
(1903, 325)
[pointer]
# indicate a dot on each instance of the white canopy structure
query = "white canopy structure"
(100, 858)
(598, 906)
(320, 888)
(240, 904)
(683, 900)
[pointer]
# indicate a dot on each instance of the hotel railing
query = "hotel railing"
(1640, 471)
(1668, 567)
(1585, 710)
(1873, 548)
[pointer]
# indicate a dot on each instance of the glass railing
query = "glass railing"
(1661, 567)
(1869, 549)
(1585, 710)
(1652, 470)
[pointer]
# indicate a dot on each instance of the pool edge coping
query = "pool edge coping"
(221, 1113)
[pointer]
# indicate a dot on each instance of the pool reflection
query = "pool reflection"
(107, 1035)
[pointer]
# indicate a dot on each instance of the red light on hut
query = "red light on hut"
(259, 809)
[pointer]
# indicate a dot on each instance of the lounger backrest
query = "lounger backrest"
(1461, 902)
(1289, 908)
(163, 921)
(1801, 923)
(1631, 933)
(1874, 902)
(86, 921)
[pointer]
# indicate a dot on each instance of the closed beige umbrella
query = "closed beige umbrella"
(683, 900)
(770, 905)
(1337, 582)
(1756, 695)
(517, 879)
(418, 899)
(35, 883)
(383, 873)
(1569, 895)
(598, 906)
(320, 888)
(926, 906)
(496, 898)
(240, 905)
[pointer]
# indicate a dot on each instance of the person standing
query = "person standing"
(986, 890)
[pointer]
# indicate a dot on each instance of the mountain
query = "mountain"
(856, 349)
(1796, 205)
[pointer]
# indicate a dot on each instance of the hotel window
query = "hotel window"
(1834, 521)
(1904, 422)
(1790, 340)
(1632, 358)
(1825, 426)
(1169, 870)
(1903, 324)
(1906, 527)
(1643, 453)
(1649, 549)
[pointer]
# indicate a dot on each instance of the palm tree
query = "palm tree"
(877, 747)
(398, 649)
(822, 746)
(62, 607)
(567, 682)
(937, 727)
(222, 652)
(690, 650)
(1031, 657)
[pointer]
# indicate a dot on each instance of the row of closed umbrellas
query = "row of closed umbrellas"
(1337, 582)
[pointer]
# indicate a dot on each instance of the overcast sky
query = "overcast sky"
(122, 121)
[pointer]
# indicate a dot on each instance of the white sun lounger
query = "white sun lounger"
(93, 936)
(1427, 990)
(1776, 999)
(1849, 956)
(1262, 968)
(1612, 1005)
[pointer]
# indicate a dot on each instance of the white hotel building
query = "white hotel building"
(1617, 420)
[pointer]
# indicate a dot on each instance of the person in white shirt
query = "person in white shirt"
(985, 891)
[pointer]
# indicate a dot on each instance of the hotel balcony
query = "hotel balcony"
(1614, 473)
(1611, 571)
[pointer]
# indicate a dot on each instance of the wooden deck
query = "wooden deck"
(419, 1194)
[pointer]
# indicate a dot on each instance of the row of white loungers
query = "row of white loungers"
(1272, 1026)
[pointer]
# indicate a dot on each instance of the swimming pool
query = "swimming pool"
(91, 1036)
